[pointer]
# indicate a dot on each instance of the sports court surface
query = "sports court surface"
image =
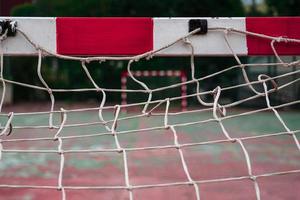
(154, 166)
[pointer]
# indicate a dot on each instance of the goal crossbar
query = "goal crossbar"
(133, 36)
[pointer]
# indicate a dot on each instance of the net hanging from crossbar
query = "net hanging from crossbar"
(217, 109)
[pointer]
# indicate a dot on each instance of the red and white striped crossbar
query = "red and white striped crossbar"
(132, 36)
(156, 73)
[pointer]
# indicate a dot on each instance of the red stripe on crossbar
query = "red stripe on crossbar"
(273, 26)
(104, 36)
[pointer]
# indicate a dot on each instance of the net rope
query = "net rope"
(215, 107)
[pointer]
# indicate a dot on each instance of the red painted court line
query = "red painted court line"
(273, 26)
(104, 36)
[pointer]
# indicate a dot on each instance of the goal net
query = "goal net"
(243, 148)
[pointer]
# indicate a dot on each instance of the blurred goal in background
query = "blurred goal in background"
(216, 150)
(154, 77)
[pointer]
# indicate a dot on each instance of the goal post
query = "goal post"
(183, 169)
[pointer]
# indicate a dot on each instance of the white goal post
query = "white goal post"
(98, 40)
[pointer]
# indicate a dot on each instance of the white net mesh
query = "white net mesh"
(152, 109)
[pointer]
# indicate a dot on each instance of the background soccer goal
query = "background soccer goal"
(237, 139)
(155, 79)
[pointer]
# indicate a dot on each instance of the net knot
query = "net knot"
(37, 47)
(129, 188)
(87, 60)
(192, 183)
(233, 140)
(242, 65)
(282, 39)
(186, 40)
(228, 30)
(288, 133)
(150, 56)
(59, 188)
(120, 150)
(295, 63)
(194, 81)
(253, 178)
(136, 59)
(264, 78)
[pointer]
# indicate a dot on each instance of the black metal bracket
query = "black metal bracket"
(198, 23)
(8, 26)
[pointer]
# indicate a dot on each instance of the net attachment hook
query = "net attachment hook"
(9, 27)
(196, 24)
